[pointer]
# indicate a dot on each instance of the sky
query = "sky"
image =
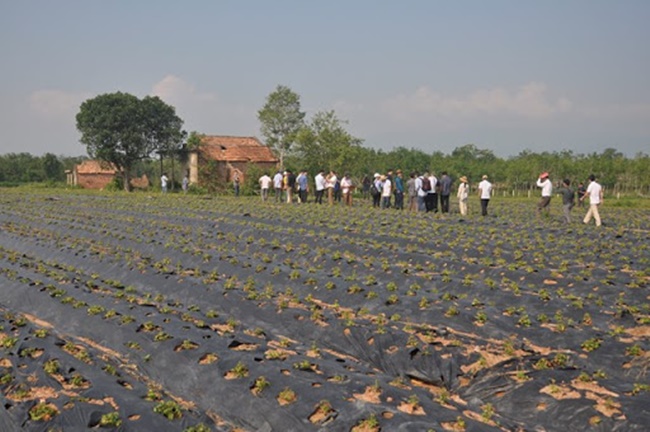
(504, 75)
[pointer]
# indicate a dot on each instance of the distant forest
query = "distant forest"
(615, 171)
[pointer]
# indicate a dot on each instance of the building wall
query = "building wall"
(94, 181)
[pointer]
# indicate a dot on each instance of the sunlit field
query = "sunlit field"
(205, 313)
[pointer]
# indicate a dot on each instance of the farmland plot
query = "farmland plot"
(184, 313)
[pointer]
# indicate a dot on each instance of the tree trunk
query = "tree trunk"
(126, 178)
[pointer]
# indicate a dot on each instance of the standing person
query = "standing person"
(235, 183)
(320, 182)
(389, 177)
(337, 190)
(568, 197)
(595, 194)
(331, 183)
(445, 191)
(547, 190)
(186, 183)
(365, 184)
(265, 183)
(303, 186)
(163, 182)
(582, 191)
(290, 185)
(412, 192)
(346, 189)
(431, 200)
(422, 186)
(399, 190)
(484, 193)
(386, 189)
(277, 186)
(463, 195)
(375, 190)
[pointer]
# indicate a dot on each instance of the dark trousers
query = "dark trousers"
(376, 199)
(431, 202)
(278, 195)
(303, 195)
(484, 206)
(444, 203)
(399, 200)
(319, 196)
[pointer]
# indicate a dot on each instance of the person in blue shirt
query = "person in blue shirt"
(399, 191)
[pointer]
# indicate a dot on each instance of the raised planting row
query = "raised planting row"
(223, 314)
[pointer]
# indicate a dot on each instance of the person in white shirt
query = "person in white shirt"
(277, 185)
(265, 184)
(463, 195)
(547, 191)
(484, 192)
(163, 182)
(595, 194)
(386, 189)
(421, 193)
(431, 200)
(330, 184)
(346, 189)
(319, 181)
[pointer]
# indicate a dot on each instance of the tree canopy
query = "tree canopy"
(121, 129)
(281, 119)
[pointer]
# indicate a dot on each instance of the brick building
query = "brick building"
(219, 158)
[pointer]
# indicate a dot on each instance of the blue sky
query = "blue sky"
(505, 75)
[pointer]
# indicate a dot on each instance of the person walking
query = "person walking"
(568, 199)
(463, 195)
(445, 190)
(547, 191)
(484, 193)
(595, 194)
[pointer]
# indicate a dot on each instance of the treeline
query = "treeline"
(20, 168)
(517, 173)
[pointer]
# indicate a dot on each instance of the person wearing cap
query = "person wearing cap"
(595, 194)
(484, 193)
(463, 195)
(547, 190)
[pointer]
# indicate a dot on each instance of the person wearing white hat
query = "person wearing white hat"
(484, 193)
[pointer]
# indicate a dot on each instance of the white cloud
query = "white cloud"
(204, 111)
(56, 104)
(529, 101)
(177, 91)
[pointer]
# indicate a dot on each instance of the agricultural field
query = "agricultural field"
(194, 313)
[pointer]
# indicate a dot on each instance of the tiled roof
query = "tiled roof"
(236, 149)
(95, 167)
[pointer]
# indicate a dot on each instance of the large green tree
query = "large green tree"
(121, 129)
(281, 119)
(326, 144)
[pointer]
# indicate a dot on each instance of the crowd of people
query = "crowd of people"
(421, 192)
